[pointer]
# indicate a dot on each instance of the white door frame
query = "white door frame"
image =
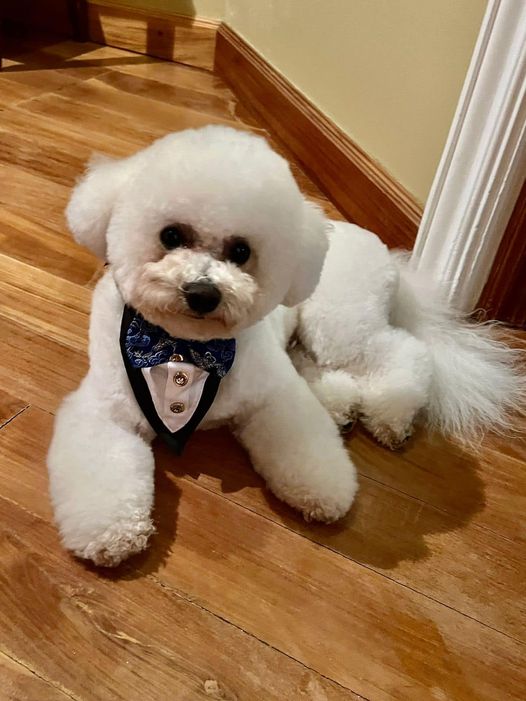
(484, 161)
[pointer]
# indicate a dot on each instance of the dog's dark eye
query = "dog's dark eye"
(173, 237)
(238, 252)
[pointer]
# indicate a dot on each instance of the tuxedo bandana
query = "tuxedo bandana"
(174, 380)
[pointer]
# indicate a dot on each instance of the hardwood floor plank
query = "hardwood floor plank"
(49, 161)
(78, 57)
(33, 196)
(513, 445)
(55, 65)
(34, 82)
(21, 684)
(76, 119)
(39, 371)
(449, 559)
(205, 103)
(46, 248)
(175, 75)
(371, 635)
(63, 613)
(139, 119)
(12, 93)
(49, 131)
(491, 488)
(9, 407)
(30, 279)
(43, 303)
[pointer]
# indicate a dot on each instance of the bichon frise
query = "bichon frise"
(206, 234)
(214, 261)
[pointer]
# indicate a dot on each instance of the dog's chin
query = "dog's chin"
(189, 326)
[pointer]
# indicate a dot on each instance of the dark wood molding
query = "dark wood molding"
(357, 185)
(188, 40)
(55, 17)
(504, 295)
(78, 16)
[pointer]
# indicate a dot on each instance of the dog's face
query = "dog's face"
(206, 231)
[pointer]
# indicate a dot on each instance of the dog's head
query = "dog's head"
(206, 230)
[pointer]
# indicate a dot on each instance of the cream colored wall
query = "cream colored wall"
(388, 72)
(213, 9)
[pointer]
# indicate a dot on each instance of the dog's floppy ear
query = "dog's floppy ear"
(314, 245)
(89, 210)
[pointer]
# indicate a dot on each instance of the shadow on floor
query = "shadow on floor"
(399, 504)
(35, 53)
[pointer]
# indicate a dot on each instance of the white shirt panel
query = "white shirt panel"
(176, 389)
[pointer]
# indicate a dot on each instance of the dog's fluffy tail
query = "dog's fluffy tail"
(479, 381)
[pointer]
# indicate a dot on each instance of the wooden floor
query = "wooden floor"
(419, 594)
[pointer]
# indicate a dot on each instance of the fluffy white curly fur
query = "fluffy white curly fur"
(399, 350)
(222, 183)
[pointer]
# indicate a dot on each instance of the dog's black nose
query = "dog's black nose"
(202, 297)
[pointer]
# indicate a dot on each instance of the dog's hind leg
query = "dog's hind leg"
(337, 390)
(395, 385)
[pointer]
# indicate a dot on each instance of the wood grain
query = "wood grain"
(449, 558)
(108, 614)
(213, 106)
(170, 649)
(50, 196)
(43, 303)
(188, 40)
(51, 66)
(489, 486)
(39, 371)
(22, 684)
(361, 189)
(45, 128)
(9, 407)
(12, 93)
(174, 75)
(417, 594)
(370, 635)
(24, 82)
(41, 245)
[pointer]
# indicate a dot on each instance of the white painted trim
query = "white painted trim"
(483, 164)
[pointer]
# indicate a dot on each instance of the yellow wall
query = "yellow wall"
(388, 72)
(213, 9)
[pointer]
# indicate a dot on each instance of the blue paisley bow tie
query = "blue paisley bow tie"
(148, 345)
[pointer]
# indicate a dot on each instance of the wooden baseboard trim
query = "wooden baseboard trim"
(363, 191)
(504, 295)
(188, 40)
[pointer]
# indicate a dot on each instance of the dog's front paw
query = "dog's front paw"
(328, 496)
(325, 510)
(118, 542)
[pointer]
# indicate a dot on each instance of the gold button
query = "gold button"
(176, 358)
(181, 379)
(177, 407)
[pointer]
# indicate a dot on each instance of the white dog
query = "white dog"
(206, 233)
